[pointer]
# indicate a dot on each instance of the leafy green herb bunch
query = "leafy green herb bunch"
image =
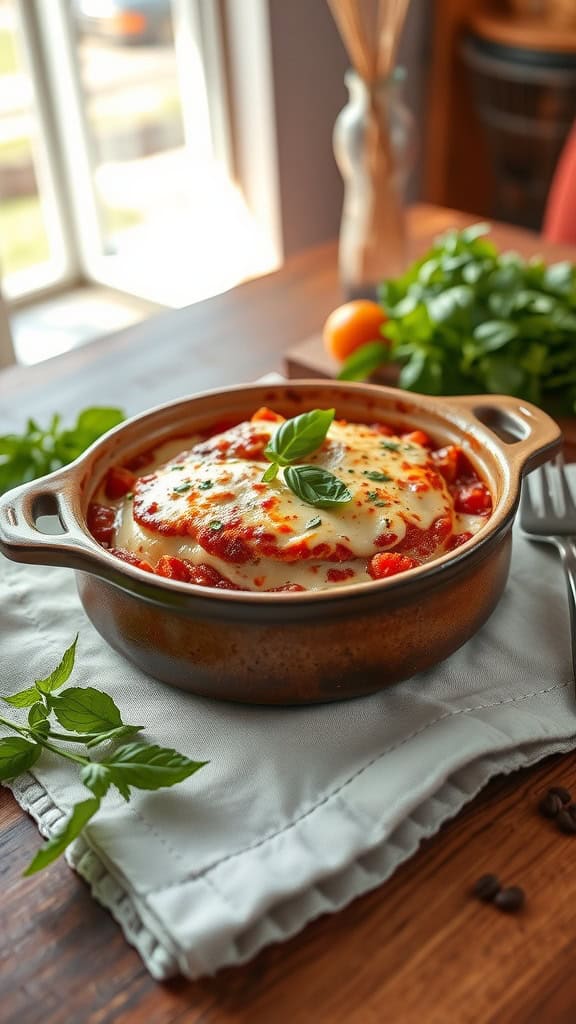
(39, 450)
(466, 319)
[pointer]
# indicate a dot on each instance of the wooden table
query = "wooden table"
(417, 948)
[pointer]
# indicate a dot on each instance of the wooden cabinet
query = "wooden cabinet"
(491, 145)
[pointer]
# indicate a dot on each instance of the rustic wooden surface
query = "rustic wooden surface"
(418, 948)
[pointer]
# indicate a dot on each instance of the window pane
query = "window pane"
(128, 71)
(175, 228)
(29, 258)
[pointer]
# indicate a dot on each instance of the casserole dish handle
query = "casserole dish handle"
(527, 434)
(38, 524)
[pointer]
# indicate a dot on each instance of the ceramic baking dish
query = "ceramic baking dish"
(289, 647)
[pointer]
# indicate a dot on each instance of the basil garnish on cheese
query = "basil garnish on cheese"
(295, 439)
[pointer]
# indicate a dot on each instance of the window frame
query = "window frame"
(66, 152)
(49, 171)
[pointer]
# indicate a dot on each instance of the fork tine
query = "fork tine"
(567, 498)
(554, 525)
(548, 503)
(526, 497)
(531, 501)
(546, 490)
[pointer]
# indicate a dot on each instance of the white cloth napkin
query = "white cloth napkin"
(300, 809)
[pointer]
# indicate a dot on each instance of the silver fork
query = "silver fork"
(549, 515)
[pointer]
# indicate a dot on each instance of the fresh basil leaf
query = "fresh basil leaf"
(10, 445)
(84, 709)
(298, 437)
(390, 292)
(17, 756)
(424, 373)
(562, 320)
(38, 719)
(316, 486)
(426, 273)
(494, 334)
(89, 426)
(560, 277)
(475, 231)
(56, 845)
(149, 767)
(448, 242)
(23, 699)
(313, 523)
(505, 279)
(38, 713)
(61, 673)
(455, 263)
(271, 473)
(449, 303)
(534, 359)
(407, 305)
(473, 272)
(416, 327)
(527, 300)
(98, 778)
(367, 358)
(500, 305)
(501, 377)
(97, 420)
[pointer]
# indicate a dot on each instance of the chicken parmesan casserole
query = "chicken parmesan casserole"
(243, 508)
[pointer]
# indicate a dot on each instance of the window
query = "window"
(117, 153)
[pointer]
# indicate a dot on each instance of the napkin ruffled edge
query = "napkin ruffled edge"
(164, 959)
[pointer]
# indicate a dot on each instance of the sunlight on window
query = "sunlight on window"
(176, 229)
(198, 236)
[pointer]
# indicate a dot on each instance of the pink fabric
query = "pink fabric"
(560, 215)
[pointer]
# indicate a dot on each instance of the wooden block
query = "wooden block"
(310, 359)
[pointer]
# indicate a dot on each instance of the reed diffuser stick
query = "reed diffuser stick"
(370, 31)
(372, 220)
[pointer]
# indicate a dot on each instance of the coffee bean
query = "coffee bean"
(486, 888)
(510, 899)
(566, 820)
(550, 805)
(563, 794)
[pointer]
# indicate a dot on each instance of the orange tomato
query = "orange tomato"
(352, 325)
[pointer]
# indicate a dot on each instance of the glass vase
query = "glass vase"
(373, 146)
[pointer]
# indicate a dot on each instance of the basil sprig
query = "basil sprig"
(296, 438)
(39, 450)
(93, 719)
(293, 440)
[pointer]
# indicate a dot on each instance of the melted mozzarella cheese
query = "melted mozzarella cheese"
(208, 506)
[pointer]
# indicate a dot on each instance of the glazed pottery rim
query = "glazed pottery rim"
(166, 592)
